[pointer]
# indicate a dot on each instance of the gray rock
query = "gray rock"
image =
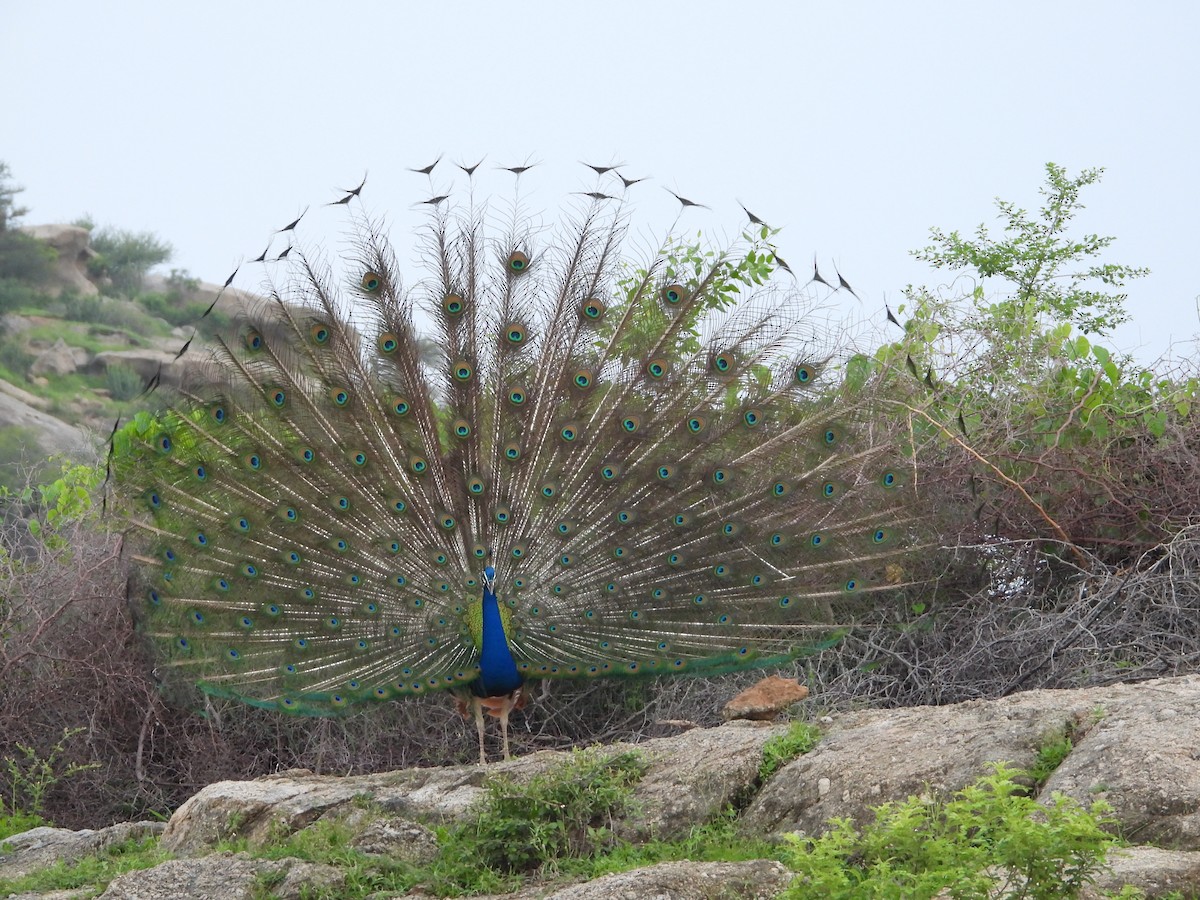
(756, 879)
(1138, 747)
(691, 778)
(50, 435)
(57, 359)
(73, 246)
(398, 839)
(41, 847)
(222, 876)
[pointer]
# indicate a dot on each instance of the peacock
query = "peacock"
(543, 458)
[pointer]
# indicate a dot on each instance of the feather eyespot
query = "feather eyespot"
(371, 282)
(518, 262)
(658, 368)
(320, 333)
(722, 363)
(593, 310)
(453, 305)
(674, 294)
(388, 342)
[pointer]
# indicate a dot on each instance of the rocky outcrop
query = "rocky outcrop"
(1133, 745)
(72, 246)
(41, 847)
(47, 435)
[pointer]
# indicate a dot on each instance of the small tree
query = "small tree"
(125, 256)
(9, 211)
(23, 259)
(1054, 284)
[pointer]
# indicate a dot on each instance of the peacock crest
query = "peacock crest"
(541, 459)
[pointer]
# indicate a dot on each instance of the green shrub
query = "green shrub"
(14, 358)
(24, 258)
(524, 827)
(123, 383)
(18, 294)
(989, 836)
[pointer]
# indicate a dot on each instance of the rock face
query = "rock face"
(71, 243)
(49, 435)
(1133, 745)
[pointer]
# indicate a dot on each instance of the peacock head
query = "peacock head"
(489, 579)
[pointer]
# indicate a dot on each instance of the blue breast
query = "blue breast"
(498, 671)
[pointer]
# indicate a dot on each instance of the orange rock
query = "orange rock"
(765, 700)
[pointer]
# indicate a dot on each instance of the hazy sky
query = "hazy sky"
(857, 126)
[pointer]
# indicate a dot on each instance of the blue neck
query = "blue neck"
(498, 673)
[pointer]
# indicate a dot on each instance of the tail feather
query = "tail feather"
(653, 456)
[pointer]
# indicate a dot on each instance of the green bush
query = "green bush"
(18, 294)
(24, 258)
(123, 383)
(989, 837)
(560, 814)
(124, 257)
(14, 358)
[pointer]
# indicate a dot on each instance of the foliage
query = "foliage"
(9, 211)
(24, 260)
(101, 311)
(30, 776)
(988, 838)
(563, 813)
(783, 748)
(20, 458)
(1052, 434)
(721, 275)
(89, 871)
(1048, 271)
(1054, 749)
(124, 256)
(123, 382)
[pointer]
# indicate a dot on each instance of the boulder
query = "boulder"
(72, 244)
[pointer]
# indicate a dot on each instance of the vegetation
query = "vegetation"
(989, 840)
(1063, 457)
(782, 749)
(124, 257)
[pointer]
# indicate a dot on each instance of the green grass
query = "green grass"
(15, 823)
(1055, 748)
(96, 871)
(782, 749)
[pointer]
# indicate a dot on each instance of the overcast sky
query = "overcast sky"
(856, 126)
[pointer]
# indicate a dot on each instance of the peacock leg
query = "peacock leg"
(509, 702)
(477, 706)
